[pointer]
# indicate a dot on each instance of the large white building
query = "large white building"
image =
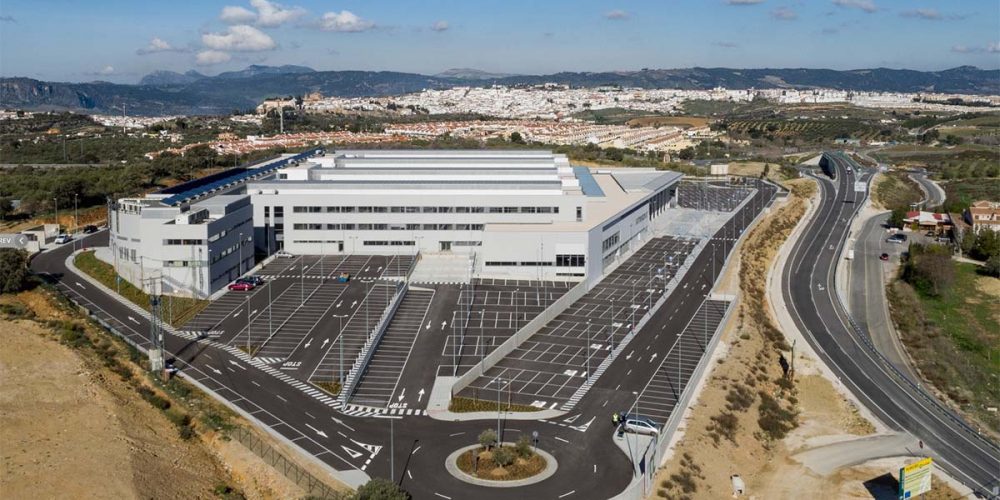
(515, 214)
(524, 214)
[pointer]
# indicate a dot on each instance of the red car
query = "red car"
(884, 256)
(242, 286)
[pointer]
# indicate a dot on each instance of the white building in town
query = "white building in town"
(523, 214)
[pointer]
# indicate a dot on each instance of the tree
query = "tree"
(487, 438)
(929, 269)
(516, 138)
(381, 489)
(896, 218)
(6, 208)
(987, 245)
(13, 270)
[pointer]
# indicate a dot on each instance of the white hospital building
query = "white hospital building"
(516, 214)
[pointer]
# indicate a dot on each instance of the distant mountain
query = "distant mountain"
(193, 93)
(471, 74)
(258, 70)
(164, 77)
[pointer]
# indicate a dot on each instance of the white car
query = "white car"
(282, 253)
(640, 425)
(63, 238)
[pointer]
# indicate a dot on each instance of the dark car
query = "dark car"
(256, 280)
(89, 229)
(884, 256)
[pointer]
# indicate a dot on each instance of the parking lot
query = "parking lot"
(361, 318)
(489, 311)
(330, 266)
(659, 398)
(712, 197)
(554, 363)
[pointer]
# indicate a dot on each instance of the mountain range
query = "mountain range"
(192, 93)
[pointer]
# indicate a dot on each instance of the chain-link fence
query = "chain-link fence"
(312, 486)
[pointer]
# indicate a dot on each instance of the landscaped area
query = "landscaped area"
(952, 332)
(507, 462)
(174, 310)
(463, 405)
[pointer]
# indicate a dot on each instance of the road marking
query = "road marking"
(253, 312)
(237, 313)
(80, 285)
(341, 422)
(456, 434)
(564, 495)
(308, 343)
(324, 343)
(217, 372)
(317, 431)
(561, 439)
(130, 318)
(255, 383)
(401, 395)
(352, 453)
(442, 496)
(415, 450)
(234, 363)
(281, 398)
(310, 416)
(420, 394)
(595, 468)
(408, 474)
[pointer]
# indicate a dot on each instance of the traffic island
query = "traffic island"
(507, 466)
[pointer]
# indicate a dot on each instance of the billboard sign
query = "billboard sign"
(860, 187)
(915, 479)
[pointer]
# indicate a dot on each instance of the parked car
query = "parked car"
(896, 238)
(640, 425)
(256, 280)
(884, 256)
(344, 278)
(242, 286)
(282, 253)
(89, 229)
(63, 238)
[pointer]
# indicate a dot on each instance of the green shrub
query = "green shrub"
(381, 489)
(503, 456)
(523, 446)
(153, 398)
(739, 398)
(487, 438)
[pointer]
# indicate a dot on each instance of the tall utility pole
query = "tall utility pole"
(55, 201)
(155, 328)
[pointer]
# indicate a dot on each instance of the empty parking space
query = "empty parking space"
(710, 196)
(344, 349)
(210, 319)
(554, 363)
(488, 312)
(312, 267)
(659, 398)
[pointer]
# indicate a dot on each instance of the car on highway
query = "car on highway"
(282, 253)
(63, 238)
(639, 425)
(884, 256)
(242, 286)
(89, 229)
(896, 238)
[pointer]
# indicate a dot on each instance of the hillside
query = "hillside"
(164, 93)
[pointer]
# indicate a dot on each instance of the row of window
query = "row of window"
(394, 243)
(183, 242)
(308, 226)
(610, 242)
(424, 210)
(561, 261)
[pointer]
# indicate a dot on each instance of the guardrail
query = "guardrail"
(368, 350)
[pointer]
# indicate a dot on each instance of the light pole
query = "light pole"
(248, 327)
(635, 408)
(588, 348)
(611, 327)
(482, 346)
(55, 201)
(517, 319)
(497, 380)
(76, 215)
(340, 343)
(239, 267)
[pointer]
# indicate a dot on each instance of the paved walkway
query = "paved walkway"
(829, 458)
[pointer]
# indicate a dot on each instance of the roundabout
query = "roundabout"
(521, 469)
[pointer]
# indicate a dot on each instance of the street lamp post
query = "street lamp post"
(497, 380)
(340, 343)
(76, 216)
(55, 201)
(588, 348)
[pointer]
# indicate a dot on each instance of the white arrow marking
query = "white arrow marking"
(352, 453)
(354, 303)
(339, 303)
(629, 356)
(130, 318)
(341, 422)
(428, 325)
(253, 312)
(308, 343)
(444, 324)
(237, 365)
(213, 369)
(324, 343)
(420, 395)
(81, 286)
(237, 313)
(317, 431)
(651, 358)
(401, 394)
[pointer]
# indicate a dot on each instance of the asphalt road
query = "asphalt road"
(590, 464)
(933, 194)
(810, 291)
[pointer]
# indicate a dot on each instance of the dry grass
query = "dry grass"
(668, 121)
(521, 468)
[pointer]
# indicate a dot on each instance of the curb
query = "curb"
(450, 463)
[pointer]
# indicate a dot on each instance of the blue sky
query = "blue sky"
(121, 40)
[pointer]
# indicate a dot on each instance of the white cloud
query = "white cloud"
(233, 14)
(616, 15)
(158, 44)
(270, 14)
(993, 47)
(990, 48)
(744, 2)
(107, 70)
(784, 14)
(440, 26)
(929, 14)
(865, 5)
(726, 45)
(210, 57)
(239, 38)
(345, 21)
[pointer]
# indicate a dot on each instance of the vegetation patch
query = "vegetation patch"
(896, 191)
(181, 308)
(503, 463)
(464, 405)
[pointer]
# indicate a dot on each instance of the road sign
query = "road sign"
(860, 187)
(915, 479)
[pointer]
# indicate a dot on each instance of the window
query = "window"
(430, 210)
(610, 241)
(570, 260)
(394, 243)
(279, 211)
(545, 210)
(579, 214)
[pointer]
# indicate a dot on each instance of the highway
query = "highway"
(934, 196)
(809, 289)
(590, 464)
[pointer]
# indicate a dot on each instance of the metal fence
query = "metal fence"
(296, 474)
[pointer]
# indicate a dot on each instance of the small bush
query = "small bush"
(487, 438)
(726, 424)
(739, 398)
(774, 420)
(523, 447)
(503, 456)
(153, 398)
(187, 432)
